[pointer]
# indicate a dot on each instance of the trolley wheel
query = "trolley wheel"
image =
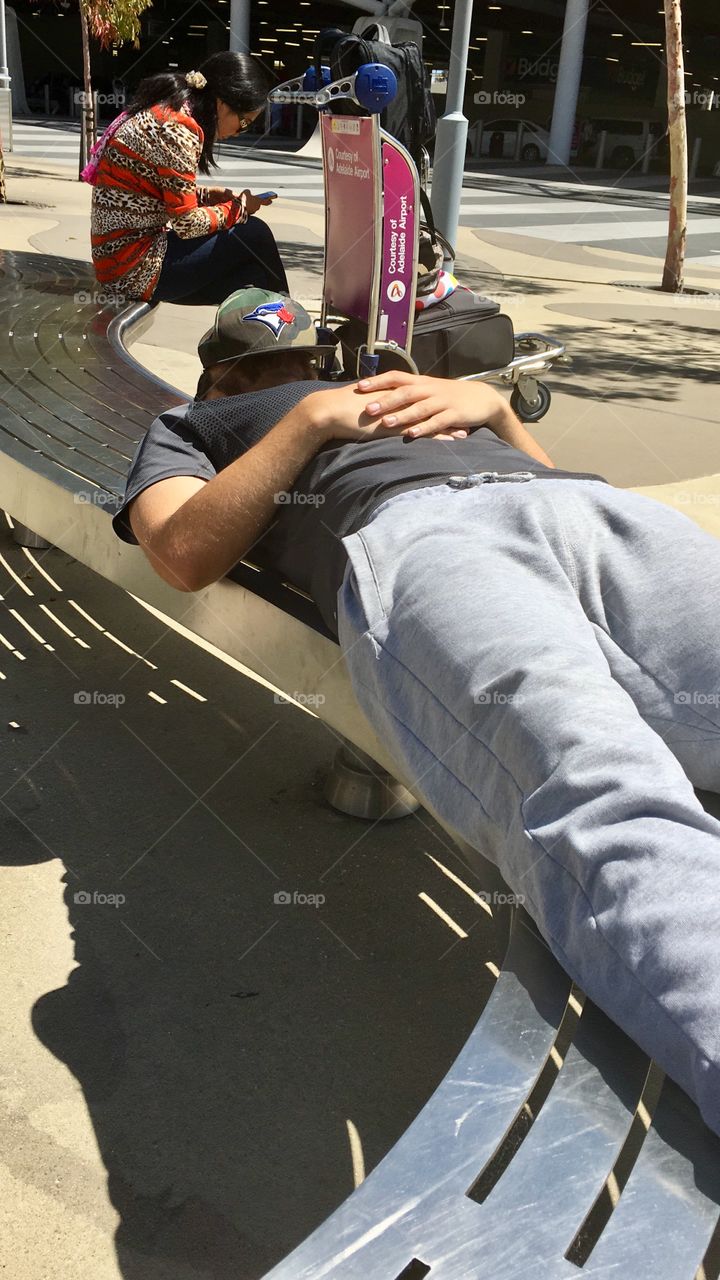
(530, 153)
(531, 411)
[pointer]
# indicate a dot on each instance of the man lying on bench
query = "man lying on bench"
(539, 650)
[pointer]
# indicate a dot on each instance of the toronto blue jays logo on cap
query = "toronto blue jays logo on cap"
(274, 315)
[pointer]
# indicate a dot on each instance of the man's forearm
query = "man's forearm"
(508, 427)
(216, 527)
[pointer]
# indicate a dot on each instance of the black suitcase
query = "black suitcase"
(464, 334)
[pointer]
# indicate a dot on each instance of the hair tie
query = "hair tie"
(196, 79)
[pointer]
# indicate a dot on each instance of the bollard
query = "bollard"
(695, 162)
(518, 144)
(650, 145)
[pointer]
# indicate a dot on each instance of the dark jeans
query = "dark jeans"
(205, 270)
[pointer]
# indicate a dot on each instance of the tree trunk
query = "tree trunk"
(677, 232)
(88, 111)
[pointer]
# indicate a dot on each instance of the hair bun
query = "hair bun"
(196, 79)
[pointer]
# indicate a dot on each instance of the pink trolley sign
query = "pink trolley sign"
(371, 211)
(399, 248)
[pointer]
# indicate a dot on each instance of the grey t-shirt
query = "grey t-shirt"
(333, 496)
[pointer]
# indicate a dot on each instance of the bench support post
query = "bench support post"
(358, 786)
(26, 538)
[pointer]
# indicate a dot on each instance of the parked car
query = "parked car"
(499, 140)
(628, 140)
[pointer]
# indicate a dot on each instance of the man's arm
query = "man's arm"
(508, 427)
(194, 531)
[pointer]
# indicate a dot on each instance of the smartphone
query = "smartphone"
(266, 195)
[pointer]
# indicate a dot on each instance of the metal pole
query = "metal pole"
(5, 92)
(568, 82)
(4, 73)
(451, 137)
(240, 26)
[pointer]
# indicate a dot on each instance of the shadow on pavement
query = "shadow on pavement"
(223, 1041)
(652, 361)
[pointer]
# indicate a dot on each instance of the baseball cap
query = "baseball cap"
(252, 322)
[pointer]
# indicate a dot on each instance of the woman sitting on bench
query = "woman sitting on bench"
(143, 172)
(539, 650)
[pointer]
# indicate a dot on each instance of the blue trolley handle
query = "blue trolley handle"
(375, 86)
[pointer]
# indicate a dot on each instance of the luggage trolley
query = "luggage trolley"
(372, 231)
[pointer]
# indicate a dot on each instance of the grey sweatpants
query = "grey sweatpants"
(543, 658)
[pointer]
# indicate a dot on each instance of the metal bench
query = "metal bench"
(553, 1148)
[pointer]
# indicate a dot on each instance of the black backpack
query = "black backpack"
(411, 116)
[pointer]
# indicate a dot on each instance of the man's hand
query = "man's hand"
(342, 414)
(412, 402)
(417, 405)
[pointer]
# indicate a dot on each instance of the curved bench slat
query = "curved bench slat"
(414, 1204)
(75, 460)
(94, 382)
(669, 1208)
(43, 374)
(20, 443)
(553, 1180)
(415, 1207)
(29, 402)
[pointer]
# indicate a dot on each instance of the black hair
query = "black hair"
(237, 79)
(235, 377)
